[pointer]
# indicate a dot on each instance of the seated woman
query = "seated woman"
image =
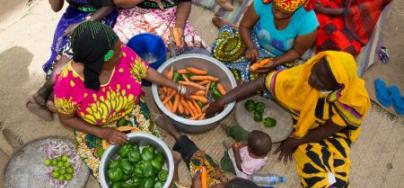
(328, 102)
(281, 29)
(347, 25)
(196, 159)
(77, 12)
(100, 90)
(158, 17)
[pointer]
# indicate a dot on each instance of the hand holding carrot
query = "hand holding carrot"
(177, 33)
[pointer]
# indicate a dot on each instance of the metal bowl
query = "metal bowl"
(215, 68)
(141, 139)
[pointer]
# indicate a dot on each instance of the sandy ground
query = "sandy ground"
(25, 37)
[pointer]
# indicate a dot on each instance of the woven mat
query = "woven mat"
(233, 16)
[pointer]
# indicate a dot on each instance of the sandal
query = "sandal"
(39, 110)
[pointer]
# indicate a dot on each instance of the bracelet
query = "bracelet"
(181, 89)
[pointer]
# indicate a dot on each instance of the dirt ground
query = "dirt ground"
(25, 37)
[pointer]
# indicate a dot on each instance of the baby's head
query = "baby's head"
(259, 144)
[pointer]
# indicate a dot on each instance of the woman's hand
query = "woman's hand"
(251, 54)
(113, 136)
(268, 67)
(189, 92)
(178, 36)
(214, 107)
(196, 180)
(286, 149)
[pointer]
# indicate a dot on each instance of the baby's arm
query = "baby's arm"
(236, 150)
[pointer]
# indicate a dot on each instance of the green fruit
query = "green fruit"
(48, 162)
(66, 164)
(158, 185)
(65, 158)
(249, 105)
(68, 177)
(124, 150)
(113, 164)
(70, 170)
(62, 178)
(163, 174)
(55, 174)
(117, 185)
(147, 153)
(134, 156)
(259, 107)
(62, 171)
(257, 116)
(147, 169)
(126, 166)
(60, 164)
(115, 174)
(53, 162)
(148, 183)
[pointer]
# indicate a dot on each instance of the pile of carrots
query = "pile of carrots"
(194, 107)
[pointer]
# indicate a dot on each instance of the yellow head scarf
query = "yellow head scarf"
(289, 6)
(294, 92)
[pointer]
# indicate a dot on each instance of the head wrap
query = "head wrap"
(290, 6)
(92, 44)
(294, 92)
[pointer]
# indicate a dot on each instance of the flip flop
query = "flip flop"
(39, 110)
(398, 101)
(381, 93)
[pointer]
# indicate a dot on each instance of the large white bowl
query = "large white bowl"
(142, 139)
(215, 68)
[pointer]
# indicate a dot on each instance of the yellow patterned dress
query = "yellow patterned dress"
(116, 104)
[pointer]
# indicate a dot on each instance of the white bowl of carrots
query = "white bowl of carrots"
(209, 76)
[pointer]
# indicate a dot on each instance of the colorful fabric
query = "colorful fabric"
(292, 90)
(117, 103)
(114, 99)
(290, 6)
(352, 30)
(73, 15)
(131, 22)
(153, 5)
(249, 165)
(196, 159)
(276, 41)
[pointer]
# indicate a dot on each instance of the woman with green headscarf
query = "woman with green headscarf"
(98, 93)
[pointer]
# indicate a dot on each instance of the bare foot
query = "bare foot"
(51, 106)
(219, 22)
(39, 110)
(225, 5)
(164, 123)
(177, 157)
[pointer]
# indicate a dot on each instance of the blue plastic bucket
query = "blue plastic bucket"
(150, 48)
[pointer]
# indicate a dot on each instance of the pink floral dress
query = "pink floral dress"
(117, 103)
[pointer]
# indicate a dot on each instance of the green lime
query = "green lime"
(65, 158)
(55, 174)
(68, 177)
(70, 170)
(60, 164)
(53, 162)
(66, 164)
(48, 162)
(61, 178)
(62, 171)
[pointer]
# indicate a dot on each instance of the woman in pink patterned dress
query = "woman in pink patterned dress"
(100, 91)
(160, 17)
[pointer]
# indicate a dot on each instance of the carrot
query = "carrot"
(259, 64)
(200, 98)
(197, 71)
(185, 78)
(170, 73)
(207, 89)
(186, 107)
(175, 104)
(204, 177)
(168, 98)
(200, 92)
(192, 84)
(197, 107)
(192, 108)
(203, 82)
(201, 78)
(202, 116)
(221, 89)
(182, 71)
(177, 36)
(168, 105)
(180, 107)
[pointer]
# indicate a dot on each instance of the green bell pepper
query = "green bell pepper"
(269, 122)
(158, 185)
(117, 185)
(124, 150)
(163, 175)
(113, 164)
(115, 174)
(148, 153)
(147, 169)
(137, 171)
(249, 105)
(148, 183)
(157, 164)
(214, 92)
(136, 181)
(134, 155)
(259, 107)
(126, 166)
(177, 76)
(257, 116)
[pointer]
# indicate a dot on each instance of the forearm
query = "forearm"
(320, 133)
(102, 12)
(244, 91)
(182, 14)
(80, 125)
(331, 11)
(289, 56)
(237, 158)
(127, 3)
(245, 34)
(157, 78)
(56, 5)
